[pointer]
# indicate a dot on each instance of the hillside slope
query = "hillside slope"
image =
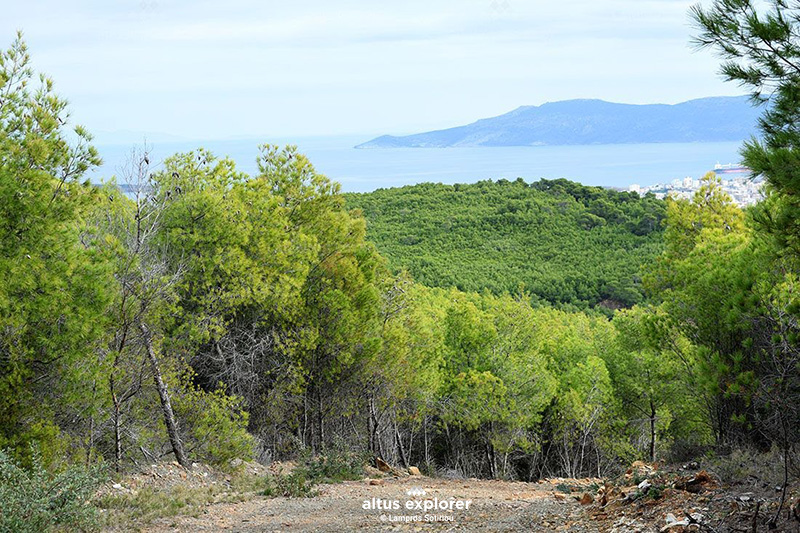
(567, 243)
(574, 122)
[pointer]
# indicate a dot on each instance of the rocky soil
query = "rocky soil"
(644, 500)
(494, 506)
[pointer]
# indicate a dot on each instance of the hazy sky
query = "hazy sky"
(214, 69)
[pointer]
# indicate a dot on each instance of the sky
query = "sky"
(215, 70)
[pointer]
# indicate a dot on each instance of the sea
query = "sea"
(364, 170)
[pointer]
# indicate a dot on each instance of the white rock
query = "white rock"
(675, 524)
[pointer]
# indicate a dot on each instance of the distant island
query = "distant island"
(577, 122)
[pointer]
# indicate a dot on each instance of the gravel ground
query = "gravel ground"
(494, 506)
(620, 505)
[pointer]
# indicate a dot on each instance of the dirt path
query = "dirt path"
(493, 506)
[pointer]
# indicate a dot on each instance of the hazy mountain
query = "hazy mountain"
(723, 118)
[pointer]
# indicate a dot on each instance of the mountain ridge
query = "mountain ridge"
(594, 121)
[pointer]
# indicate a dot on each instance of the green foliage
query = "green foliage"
(292, 485)
(278, 290)
(566, 243)
(227, 233)
(335, 465)
(129, 511)
(760, 44)
(653, 372)
(515, 378)
(563, 487)
(760, 48)
(656, 491)
(701, 292)
(476, 398)
(731, 292)
(36, 500)
(216, 424)
(745, 463)
(54, 279)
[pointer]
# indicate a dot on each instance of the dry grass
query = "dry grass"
(130, 511)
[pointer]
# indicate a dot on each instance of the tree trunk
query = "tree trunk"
(166, 406)
(117, 435)
(425, 439)
(320, 422)
(371, 426)
(785, 449)
(652, 433)
(116, 421)
(90, 443)
(402, 453)
(375, 438)
(304, 421)
(491, 459)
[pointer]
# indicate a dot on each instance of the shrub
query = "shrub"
(743, 465)
(563, 487)
(294, 485)
(336, 465)
(129, 511)
(35, 500)
(655, 492)
(216, 424)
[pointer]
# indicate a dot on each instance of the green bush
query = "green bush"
(563, 487)
(35, 500)
(655, 492)
(216, 423)
(336, 465)
(294, 485)
(743, 464)
(128, 511)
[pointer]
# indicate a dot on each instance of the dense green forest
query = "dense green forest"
(215, 315)
(565, 243)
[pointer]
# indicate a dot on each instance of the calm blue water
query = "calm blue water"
(367, 170)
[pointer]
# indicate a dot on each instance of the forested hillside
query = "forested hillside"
(564, 242)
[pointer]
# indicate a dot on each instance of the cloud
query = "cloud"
(221, 68)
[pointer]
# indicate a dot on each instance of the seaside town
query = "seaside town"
(736, 181)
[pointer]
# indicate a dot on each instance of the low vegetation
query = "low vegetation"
(136, 500)
(292, 485)
(35, 500)
(124, 505)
